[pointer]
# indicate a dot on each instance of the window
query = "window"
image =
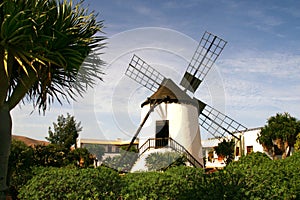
(237, 151)
(109, 148)
(249, 149)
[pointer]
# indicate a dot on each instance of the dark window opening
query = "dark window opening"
(237, 151)
(162, 133)
(249, 149)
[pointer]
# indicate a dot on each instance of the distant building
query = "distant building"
(111, 147)
(211, 158)
(248, 143)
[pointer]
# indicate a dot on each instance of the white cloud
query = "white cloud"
(273, 64)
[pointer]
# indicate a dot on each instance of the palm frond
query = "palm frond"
(56, 41)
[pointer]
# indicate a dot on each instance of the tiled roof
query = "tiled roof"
(29, 141)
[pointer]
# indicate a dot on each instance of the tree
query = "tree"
(81, 157)
(279, 134)
(20, 166)
(49, 50)
(297, 144)
(225, 149)
(95, 149)
(65, 132)
(50, 156)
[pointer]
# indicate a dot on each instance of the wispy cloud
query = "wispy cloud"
(260, 84)
(272, 64)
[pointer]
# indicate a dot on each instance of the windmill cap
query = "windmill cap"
(169, 91)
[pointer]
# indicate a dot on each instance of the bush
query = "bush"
(19, 166)
(160, 161)
(176, 183)
(150, 185)
(254, 176)
(268, 179)
(68, 183)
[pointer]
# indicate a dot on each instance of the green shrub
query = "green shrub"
(268, 179)
(149, 185)
(159, 161)
(19, 166)
(66, 183)
(255, 176)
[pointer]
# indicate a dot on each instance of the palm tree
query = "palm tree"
(49, 50)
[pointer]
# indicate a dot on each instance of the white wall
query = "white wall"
(250, 140)
(183, 125)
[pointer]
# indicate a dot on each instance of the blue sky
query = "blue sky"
(256, 76)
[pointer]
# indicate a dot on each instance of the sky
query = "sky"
(256, 76)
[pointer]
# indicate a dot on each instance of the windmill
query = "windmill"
(177, 115)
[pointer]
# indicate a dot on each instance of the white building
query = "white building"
(111, 147)
(248, 143)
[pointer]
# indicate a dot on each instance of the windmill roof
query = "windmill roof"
(169, 91)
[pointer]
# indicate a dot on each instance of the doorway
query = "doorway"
(161, 133)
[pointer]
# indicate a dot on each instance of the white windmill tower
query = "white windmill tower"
(175, 116)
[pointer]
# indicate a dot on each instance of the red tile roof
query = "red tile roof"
(29, 141)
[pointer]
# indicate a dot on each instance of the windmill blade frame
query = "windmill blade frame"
(144, 74)
(216, 123)
(208, 50)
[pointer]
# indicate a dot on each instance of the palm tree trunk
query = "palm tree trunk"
(5, 138)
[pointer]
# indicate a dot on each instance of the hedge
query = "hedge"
(253, 177)
(72, 183)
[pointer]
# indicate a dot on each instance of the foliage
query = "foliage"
(297, 143)
(122, 162)
(160, 161)
(279, 133)
(20, 166)
(66, 131)
(23, 159)
(150, 185)
(131, 149)
(43, 47)
(81, 157)
(254, 176)
(95, 149)
(50, 156)
(225, 149)
(56, 156)
(180, 182)
(65, 183)
(49, 50)
(210, 155)
(268, 179)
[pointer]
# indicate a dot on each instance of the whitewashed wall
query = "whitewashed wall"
(183, 125)
(250, 140)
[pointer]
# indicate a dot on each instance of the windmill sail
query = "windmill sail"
(208, 50)
(144, 74)
(216, 123)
